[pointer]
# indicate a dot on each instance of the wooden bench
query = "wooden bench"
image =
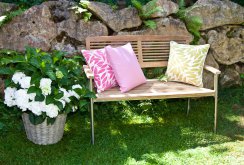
(151, 51)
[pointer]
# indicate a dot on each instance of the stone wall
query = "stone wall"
(52, 25)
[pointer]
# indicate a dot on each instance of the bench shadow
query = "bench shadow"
(177, 133)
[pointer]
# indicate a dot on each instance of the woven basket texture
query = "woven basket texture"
(44, 134)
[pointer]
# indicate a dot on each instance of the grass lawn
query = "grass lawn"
(123, 136)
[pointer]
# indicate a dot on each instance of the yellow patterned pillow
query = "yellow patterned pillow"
(186, 63)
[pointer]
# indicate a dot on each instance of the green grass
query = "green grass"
(129, 137)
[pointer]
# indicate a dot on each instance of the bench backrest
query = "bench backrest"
(151, 50)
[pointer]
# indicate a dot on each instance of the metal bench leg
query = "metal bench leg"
(188, 107)
(92, 116)
(215, 113)
(92, 123)
(215, 101)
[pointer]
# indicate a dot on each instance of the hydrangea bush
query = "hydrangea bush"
(44, 84)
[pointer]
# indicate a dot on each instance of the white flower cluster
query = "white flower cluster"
(25, 101)
(67, 94)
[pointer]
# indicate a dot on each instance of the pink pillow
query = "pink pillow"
(103, 74)
(126, 68)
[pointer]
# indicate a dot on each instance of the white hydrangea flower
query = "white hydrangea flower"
(65, 96)
(63, 102)
(25, 82)
(17, 77)
(51, 110)
(74, 108)
(73, 93)
(22, 99)
(9, 98)
(76, 86)
(36, 107)
(32, 96)
(45, 86)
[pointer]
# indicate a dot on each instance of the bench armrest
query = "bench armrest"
(88, 72)
(212, 69)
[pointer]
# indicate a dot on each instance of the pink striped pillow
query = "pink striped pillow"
(103, 74)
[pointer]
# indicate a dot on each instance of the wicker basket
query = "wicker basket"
(44, 134)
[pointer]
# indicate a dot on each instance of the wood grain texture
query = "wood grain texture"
(155, 89)
(151, 50)
(212, 69)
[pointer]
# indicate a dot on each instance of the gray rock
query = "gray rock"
(217, 13)
(115, 19)
(79, 30)
(230, 77)
(227, 44)
(239, 68)
(33, 28)
(168, 7)
(165, 26)
(6, 7)
(60, 10)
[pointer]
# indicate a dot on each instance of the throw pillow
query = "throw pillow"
(186, 63)
(126, 68)
(103, 74)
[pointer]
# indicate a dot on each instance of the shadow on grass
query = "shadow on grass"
(120, 141)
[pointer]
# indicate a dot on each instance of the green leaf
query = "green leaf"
(59, 95)
(35, 62)
(151, 24)
(18, 59)
(49, 99)
(32, 89)
(35, 79)
(40, 97)
(68, 108)
(50, 121)
(90, 94)
(36, 119)
(6, 60)
(59, 104)
(7, 82)
(51, 74)
(57, 55)
(82, 103)
(6, 71)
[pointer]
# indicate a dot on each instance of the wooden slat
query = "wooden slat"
(155, 89)
(154, 56)
(88, 71)
(156, 46)
(154, 64)
(156, 53)
(212, 69)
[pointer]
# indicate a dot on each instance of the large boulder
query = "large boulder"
(227, 44)
(217, 13)
(115, 19)
(165, 26)
(79, 30)
(167, 7)
(6, 7)
(60, 10)
(230, 77)
(33, 28)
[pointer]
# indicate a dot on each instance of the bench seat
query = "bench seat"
(154, 89)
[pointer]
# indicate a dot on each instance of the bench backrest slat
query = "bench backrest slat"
(151, 50)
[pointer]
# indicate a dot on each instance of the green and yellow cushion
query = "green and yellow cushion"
(186, 63)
